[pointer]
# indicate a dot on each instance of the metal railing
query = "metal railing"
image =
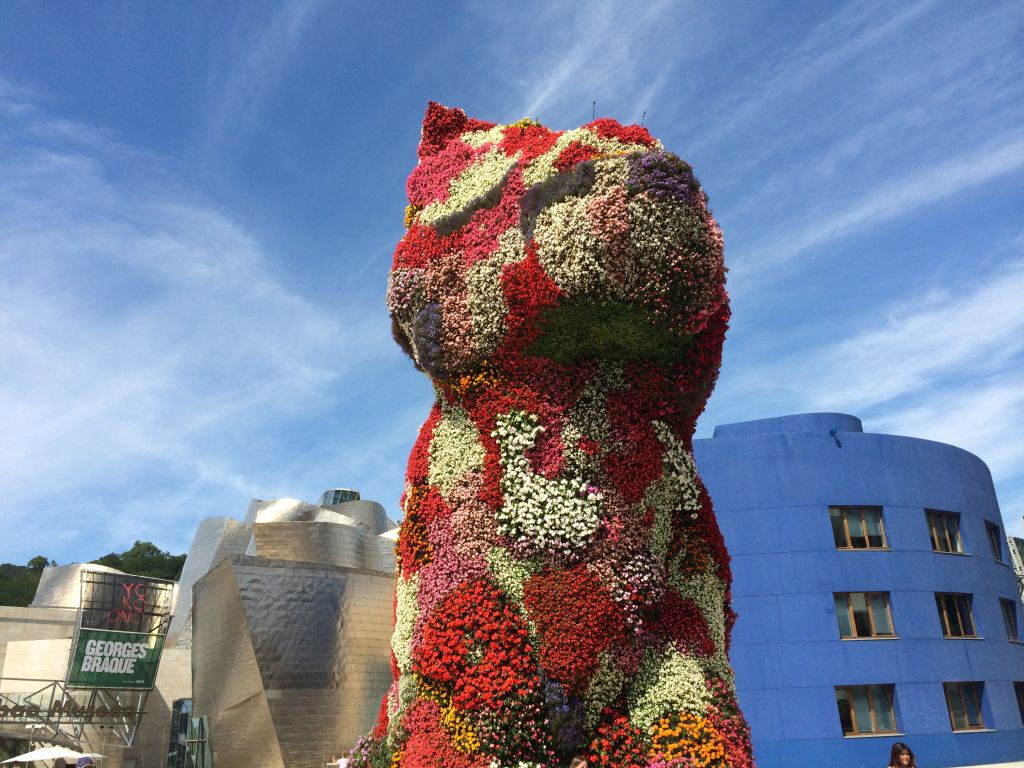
(48, 709)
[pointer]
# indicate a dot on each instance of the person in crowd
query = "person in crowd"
(901, 756)
(84, 762)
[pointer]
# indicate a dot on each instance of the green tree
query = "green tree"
(145, 559)
(18, 583)
(38, 563)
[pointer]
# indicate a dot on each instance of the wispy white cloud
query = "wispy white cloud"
(942, 334)
(943, 365)
(252, 64)
(963, 98)
(147, 341)
(936, 336)
(892, 199)
(580, 54)
(843, 37)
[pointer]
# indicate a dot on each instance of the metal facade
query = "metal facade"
(291, 645)
(215, 539)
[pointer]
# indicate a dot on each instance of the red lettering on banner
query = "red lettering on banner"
(132, 609)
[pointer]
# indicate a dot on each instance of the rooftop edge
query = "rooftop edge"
(799, 423)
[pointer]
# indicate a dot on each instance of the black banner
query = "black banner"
(119, 602)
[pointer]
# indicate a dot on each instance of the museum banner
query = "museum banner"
(110, 659)
(119, 601)
(122, 623)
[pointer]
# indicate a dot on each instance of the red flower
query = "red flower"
(574, 153)
(419, 459)
(478, 646)
(441, 124)
(576, 620)
(617, 743)
(533, 140)
(683, 624)
(607, 128)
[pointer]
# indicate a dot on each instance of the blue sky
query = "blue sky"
(199, 201)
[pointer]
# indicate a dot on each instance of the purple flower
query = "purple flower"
(663, 176)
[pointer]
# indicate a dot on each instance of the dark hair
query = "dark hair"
(898, 749)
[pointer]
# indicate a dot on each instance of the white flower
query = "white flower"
(557, 515)
(455, 450)
(666, 682)
(483, 177)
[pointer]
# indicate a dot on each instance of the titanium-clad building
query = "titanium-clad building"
(289, 621)
(875, 596)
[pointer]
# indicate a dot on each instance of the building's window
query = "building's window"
(995, 540)
(863, 614)
(955, 614)
(865, 709)
(1010, 618)
(944, 529)
(963, 700)
(857, 527)
(189, 744)
(1018, 688)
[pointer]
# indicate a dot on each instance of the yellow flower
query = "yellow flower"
(463, 736)
(685, 734)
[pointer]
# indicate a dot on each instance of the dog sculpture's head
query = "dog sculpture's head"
(524, 242)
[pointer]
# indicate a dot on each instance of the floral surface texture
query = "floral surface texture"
(563, 589)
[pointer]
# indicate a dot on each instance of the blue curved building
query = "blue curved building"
(875, 595)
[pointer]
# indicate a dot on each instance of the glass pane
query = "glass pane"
(873, 521)
(843, 702)
(843, 616)
(956, 626)
(993, 538)
(838, 531)
(1010, 617)
(971, 703)
(861, 710)
(963, 605)
(953, 533)
(933, 531)
(955, 706)
(942, 531)
(948, 604)
(880, 613)
(861, 619)
(940, 605)
(883, 708)
(857, 538)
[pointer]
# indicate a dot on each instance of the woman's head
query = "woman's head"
(901, 756)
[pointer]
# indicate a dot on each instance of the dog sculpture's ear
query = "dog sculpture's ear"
(441, 124)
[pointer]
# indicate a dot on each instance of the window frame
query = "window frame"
(944, 618)
(890, 691)
(977, 690)
(1009, 610)
(1018, 689)
(995, 540)
(931, 516)
(844, 511)
(875, 635)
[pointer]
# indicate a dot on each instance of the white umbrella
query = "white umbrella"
(49, 753)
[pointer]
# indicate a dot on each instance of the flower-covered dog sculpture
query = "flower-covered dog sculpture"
(563, 587)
